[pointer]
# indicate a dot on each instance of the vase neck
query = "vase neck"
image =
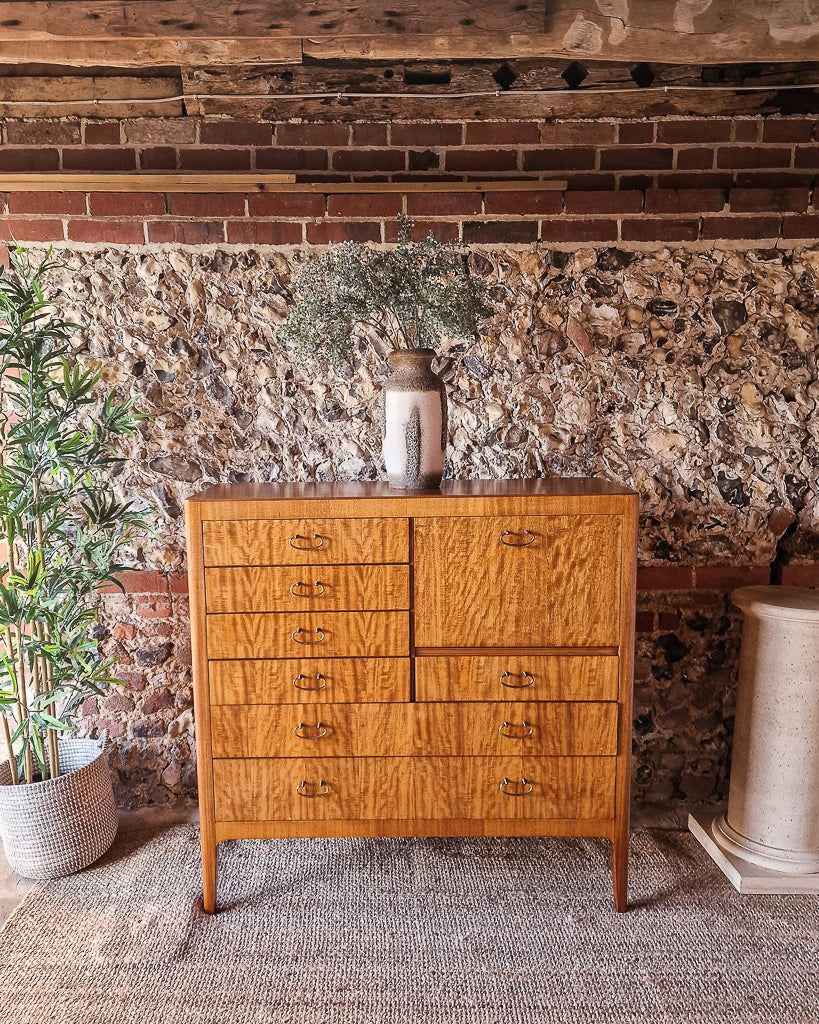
(412, 357)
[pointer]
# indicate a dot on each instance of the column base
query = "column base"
(745, 875)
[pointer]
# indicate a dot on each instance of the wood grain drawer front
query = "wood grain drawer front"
(362, 788)
(305, 541)
(299, 681)
(518, 581)
(288, 730)
(541, 677)
(313, 588)
(325, 634)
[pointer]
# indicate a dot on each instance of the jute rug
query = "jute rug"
(489, 931)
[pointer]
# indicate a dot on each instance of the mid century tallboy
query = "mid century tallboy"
(377, 662)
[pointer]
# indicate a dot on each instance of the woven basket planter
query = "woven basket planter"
(59, 826)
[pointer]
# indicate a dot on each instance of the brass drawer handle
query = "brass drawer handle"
(525, 788)
(527, 731)
(307, 643)
(306, 547)
(517, 543)
(319, 731)
(322, 682)
(517, 686)
(313, 593)
(321, 790)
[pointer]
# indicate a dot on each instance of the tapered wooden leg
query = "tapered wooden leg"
(208, 873)
(619, 872)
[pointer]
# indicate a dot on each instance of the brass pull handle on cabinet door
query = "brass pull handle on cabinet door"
(322, 682)
(308, 546)
(517, 543)
(517, 686)
(294, 589)
(524, 788)
(297, 633)
(322, 789)
(525, 734)
(319, 730)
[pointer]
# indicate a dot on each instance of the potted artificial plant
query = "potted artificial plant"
(61, 530)
(411, 296)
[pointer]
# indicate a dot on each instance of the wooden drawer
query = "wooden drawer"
(293, 789)
(381, 730)
(299, 681)
(305, 541)
(513, 678)
(314, 588)
(328, 634)
(553, 581)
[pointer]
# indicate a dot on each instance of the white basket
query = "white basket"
(61, 825)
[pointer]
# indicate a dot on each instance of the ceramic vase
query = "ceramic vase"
(414, 421)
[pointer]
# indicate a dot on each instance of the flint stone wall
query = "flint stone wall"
(690, 376)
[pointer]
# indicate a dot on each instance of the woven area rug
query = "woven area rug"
(424, 931)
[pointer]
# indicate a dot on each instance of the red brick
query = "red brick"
(378, 204)
(756, 200)
(787, 129)
(369, 160)
(659, 230)
(158, 158)
(801, 227)
(444, 231)
(41, 132)
(29, 160)
(101, 133)
(426, 134)
(119, 232)
(374, 134)
(515, 232)
(214, 159)
(305, 135)
(747, 130)
(31, 230)
(726, 577)
(481, 160)
(696, 131)
(140, 582)
(753, 156)
(665, 577)
(578, 230)
(285, 204)
(773, 179)
(695, 159)
(291, 159)
(502, 133)
(688, 179)
(124, 631)
(644, 622)
(635, 133)
(668, 620)
(800, 575)
(604, 202)
(423, 160)
(126, 204)
(235, 133)
(574, 159)
(633, 158)
(591, 181)
(684, 200)
(210, 204)
(47, 202)
(740, 227)
(577, 133)
(153, 606)
(186, 232)
(114, 729)
(88, 159)
(250, 232)
(178, 582)
(638, 182)
(521, 204)
(807, 156)
(340, 231)
(443, 204)
(153, 702)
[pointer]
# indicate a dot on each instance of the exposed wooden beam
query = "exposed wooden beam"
(93, 96)
(149, 33)
(252, 183)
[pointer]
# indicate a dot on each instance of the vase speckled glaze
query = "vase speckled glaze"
(414, 421)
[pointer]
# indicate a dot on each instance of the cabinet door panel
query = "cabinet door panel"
(517, 581)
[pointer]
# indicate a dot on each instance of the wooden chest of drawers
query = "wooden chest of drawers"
(376, 662)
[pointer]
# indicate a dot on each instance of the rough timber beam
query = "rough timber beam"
(183, 33)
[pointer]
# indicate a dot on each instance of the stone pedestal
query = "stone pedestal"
(771, 828)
